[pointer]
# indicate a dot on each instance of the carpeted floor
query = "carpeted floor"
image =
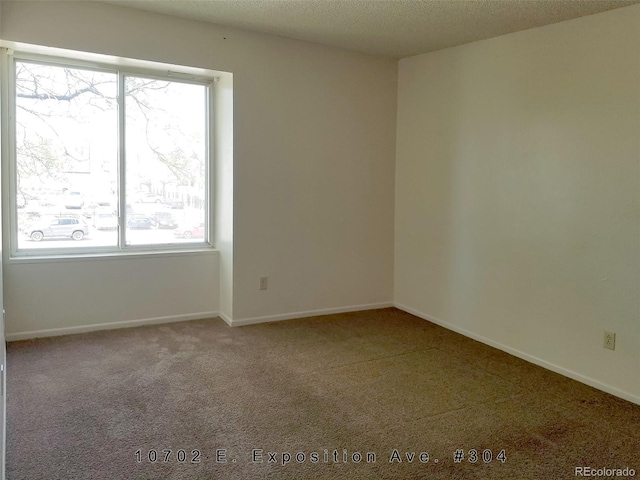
(210, 400)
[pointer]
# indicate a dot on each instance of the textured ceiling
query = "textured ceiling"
(396, 28)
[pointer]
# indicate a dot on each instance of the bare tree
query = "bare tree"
(55, 105)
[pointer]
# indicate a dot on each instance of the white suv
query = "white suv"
(59, 227)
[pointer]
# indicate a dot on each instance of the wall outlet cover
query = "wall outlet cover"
(610, 340)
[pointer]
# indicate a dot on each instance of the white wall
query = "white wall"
(313, 157)
(71, 295)
(223, 195)
(518, 196)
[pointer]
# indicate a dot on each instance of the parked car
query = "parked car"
(140, 223)
(194, 231)
(164, 220)
(150, 198)
(61, 227)
(73, 200)
(104, 219)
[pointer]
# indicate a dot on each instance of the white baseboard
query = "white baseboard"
(309, 313)
(54, 332)
(227, 319)
(525, 356)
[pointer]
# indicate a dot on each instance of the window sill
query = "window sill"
(111, 255)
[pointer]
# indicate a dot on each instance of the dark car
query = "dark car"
(140, 223)
(164, 220)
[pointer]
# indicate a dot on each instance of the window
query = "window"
(107, 160)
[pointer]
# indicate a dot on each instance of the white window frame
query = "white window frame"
(122, 68)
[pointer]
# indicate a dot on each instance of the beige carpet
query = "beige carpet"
(81, 406)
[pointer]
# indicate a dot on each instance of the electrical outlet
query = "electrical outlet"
(264, 282)
(610, 340)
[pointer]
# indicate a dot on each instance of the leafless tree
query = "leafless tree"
(49, 97)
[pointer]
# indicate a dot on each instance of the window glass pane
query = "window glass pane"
(67, 165)
(165, 135)
(66, 156)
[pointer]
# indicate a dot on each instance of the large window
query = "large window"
(107, 160)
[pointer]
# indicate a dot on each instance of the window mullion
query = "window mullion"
(122, 201)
